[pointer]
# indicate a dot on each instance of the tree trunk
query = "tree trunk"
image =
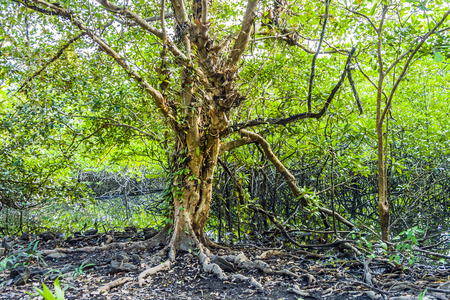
(192, 184)
(383, 204)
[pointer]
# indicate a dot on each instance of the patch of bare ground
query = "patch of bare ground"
(249, 272)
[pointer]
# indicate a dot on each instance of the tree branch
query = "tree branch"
(60, 11)
(408, 62)
(234, 144)
(144, 24)
(306, 115)
(355, 93)
(313, 65)
(368, 78)
(204, 11)
(151, 19)
(397, 60)
(163, 25)
(287, 37)
(244, 35)
(288, 177)
(364, 16)
(54, 58)
(152, 135)
(182, 22)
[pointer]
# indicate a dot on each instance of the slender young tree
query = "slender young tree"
(385, 20)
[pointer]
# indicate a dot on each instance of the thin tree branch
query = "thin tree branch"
(286, 37)
(152, 135)
(144, 24)
(431, 253)
(117, 124)
(355, 93)
(60, 11)
(151, 19)
(364, 16)
(408, 62)
(398, 60)
(368, 78)
(290, 119)
(54, 58)
(313, 64)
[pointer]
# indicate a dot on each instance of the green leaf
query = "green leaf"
(47, 293)
(41, 292)
(58, 291)
(372, 11)
(438, 57)
(197, 151)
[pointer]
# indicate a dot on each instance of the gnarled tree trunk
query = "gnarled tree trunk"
(192, 191)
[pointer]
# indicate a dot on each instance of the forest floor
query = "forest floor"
(324, 274)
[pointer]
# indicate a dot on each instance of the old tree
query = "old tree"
(198, 78)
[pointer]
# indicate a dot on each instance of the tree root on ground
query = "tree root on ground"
(186, 240)
(115, 283)
(160, 238)
(204, 255)
(150, 271)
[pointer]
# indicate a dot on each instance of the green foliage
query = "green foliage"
(48, 295)
(22, 257)
(56, 125)
(406, 246)
(422, 294)
(80, 270)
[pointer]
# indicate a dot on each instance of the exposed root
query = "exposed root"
(295, 289)
(242, 261)
(251, 280)
(182, 239)
(115, 283)
(211, 267)
(310, 279)
(160, 238)
(349, 246)
(150, 271)
(211, 244)
(89, 249)
(269, 253)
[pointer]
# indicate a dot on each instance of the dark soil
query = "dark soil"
(336, 276)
